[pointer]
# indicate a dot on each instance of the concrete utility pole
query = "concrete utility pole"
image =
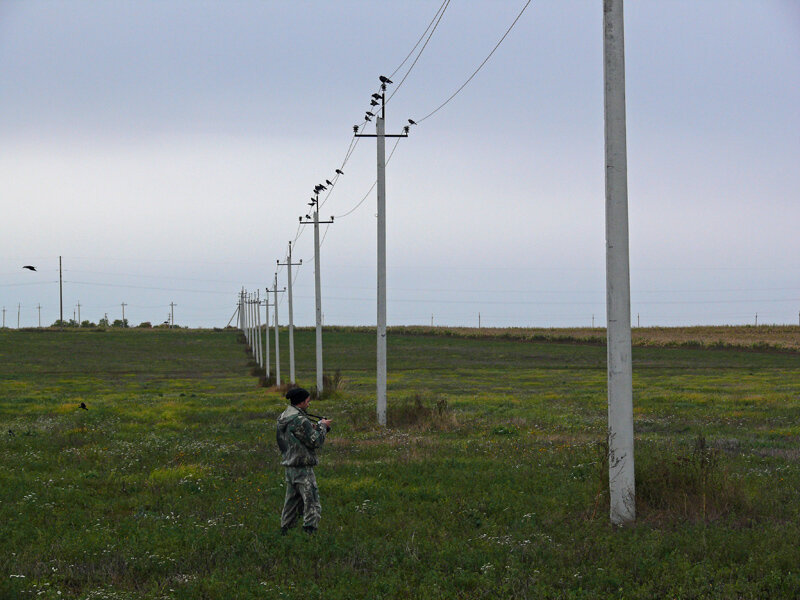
(380, 134)
(260, 352)
(60, 293)
(277, 337)
(18, 309)
(124, 304)
(39, 308)
(267, 367)
(479, 320)
(317, 284)
(592, 321)
(79, 313)
(172, 306)
(289, 265)
(618, 297)
(4, 317)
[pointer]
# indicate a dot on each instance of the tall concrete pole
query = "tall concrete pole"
(381, 370)
(266, 337)
(257, 307)
(289, 265)
(318, 296)
(277, 338)
(618, 297)
(39, 308)
(60, 293)
(18, 309)
(124, 304)
(79, 313)
(4, 317)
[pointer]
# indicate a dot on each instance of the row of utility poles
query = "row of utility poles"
(249, 311)
(620, 388)
(76, 314)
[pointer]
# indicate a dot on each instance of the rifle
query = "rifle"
(317, 417)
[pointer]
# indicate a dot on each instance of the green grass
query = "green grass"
(169, 486)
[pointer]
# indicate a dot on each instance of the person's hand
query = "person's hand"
(326, 422)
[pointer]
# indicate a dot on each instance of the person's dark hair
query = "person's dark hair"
(297, 395)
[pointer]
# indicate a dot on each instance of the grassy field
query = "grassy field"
(489, 483)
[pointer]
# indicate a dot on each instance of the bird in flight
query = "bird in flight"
(29, 267)
(83, 406)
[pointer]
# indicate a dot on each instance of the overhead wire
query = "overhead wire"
(442, 10)
(372, 187)
(393, 73)
(485, 60)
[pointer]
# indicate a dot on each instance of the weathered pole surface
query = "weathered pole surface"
(381, 370)
(318, 298)
(618, 298)
(267, 371)
(277, 340)
(291, 319)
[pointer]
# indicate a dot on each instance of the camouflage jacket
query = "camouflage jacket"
(298, 438)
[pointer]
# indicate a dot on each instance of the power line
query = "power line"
(485, 60)
(442, 9)
(419, 40)
(372, 187)
(141, 287)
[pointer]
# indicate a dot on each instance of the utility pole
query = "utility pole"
(621, 479)
(18, 309)
(259, 352)
(39, 308)
(4, 317)
(79, 313)
(592, 321)
(267, 368)
(60, 294)
(756, 319)
(637, 321)
(289, 265)
(123, 313)
(380, 135)
(277, 329)
(172, 306)
(479, 320)
(317, 286)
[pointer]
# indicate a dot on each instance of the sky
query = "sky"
(165, 150)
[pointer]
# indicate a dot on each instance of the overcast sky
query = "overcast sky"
(166, 149)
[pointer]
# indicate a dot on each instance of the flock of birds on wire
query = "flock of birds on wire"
(368, 115)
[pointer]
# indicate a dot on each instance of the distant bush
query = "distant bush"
(120, 323)
(145, 325)
(88, 323)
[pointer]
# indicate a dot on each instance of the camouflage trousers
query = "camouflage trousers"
(302, 497)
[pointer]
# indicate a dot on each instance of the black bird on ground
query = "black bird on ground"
(83, 406)
(11, 433)
(340, 172)
(29, 267)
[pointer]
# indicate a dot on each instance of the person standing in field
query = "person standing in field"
(298, 439)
